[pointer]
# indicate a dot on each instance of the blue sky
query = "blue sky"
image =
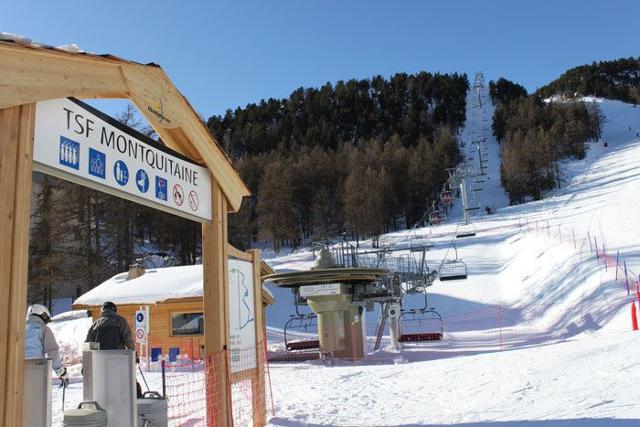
(222, 54)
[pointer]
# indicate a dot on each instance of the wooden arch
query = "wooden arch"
(30, 73)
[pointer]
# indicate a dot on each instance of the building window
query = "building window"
(187, 324)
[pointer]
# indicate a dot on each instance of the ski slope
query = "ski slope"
(539, 334)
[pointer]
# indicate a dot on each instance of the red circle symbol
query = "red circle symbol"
(140, 333)
(194, 202)
(178, 195)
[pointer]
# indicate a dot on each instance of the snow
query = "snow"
(156, 285)
(562, 353)
(539, 334)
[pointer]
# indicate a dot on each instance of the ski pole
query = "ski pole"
(64, 389)
(143, 378)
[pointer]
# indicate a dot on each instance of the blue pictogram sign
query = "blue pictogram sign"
(161, 188)
(97, 163)
(121, 172)
(69, 153)
(142, 181)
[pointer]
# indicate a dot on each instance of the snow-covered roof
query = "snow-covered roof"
(155, 286)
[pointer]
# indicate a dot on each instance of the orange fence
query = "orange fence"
(192, 387)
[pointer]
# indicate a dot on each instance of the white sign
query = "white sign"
(77, 142)
(142, 326)
(242, 315)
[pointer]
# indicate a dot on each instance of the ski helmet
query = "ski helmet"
(39, 310)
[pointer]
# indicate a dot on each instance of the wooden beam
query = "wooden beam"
(216, 323)
(237, 253)
(31, 74)
(258, 388)
(16, 154)
(170, 114)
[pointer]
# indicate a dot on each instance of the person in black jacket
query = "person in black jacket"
(111, 330)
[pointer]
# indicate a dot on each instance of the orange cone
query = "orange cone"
(634, 317)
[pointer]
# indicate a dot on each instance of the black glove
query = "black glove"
(62, 374)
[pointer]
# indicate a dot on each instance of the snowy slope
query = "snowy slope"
(540, 332)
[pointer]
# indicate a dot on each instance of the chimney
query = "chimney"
(135, 270)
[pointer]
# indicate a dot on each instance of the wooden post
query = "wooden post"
(257, 383)
(16, 154)
(216, 309)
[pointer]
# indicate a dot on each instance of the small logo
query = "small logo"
(97, 163)
(140, 317)
(142, 181)
(69, 153)
(194, 202)
(158, 111)
(161, 188)
(121, 172)
(178, 195)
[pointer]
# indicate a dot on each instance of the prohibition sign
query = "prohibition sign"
(140, 333)
(178, 195)
(193, 200)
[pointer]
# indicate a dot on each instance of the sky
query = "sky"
(225, 54)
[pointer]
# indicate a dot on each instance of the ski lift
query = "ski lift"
(421, 325)
(446, 197)
(301, 333)
(466, 230)
(452, 270)
(435, 218)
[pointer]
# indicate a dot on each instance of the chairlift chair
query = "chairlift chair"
(446, 197)
(451, 270)
(435, 218)
(298, 332)
(466, 230)
(423, 317)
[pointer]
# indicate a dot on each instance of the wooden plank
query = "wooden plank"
(216, 297)
(237, 253)
(30, 75)
(9, 126)
(258, 383)
(166, 109)
(19, 266)
(16, 148)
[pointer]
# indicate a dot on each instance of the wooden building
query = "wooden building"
(174, 296)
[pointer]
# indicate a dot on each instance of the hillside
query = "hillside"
(618, 79)
(538, 335)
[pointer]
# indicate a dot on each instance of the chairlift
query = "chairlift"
(451, 270)
(301, 333)
(435, 218)
(421, 325)
(446, 197)
(466, 230)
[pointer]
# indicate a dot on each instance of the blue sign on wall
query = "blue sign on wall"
(121, 172)
(161, 188)
(69, 153)
(142, 181)
(97, 163)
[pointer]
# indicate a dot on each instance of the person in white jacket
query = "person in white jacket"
(39, 340)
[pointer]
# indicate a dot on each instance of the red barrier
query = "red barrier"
(634, 317)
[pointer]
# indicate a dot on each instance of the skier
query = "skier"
(113, 333)
(40, 341)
